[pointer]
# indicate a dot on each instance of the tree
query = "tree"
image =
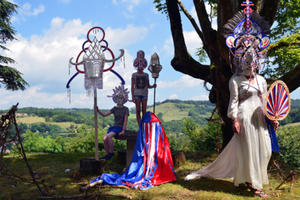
(9, 77)
(218, 72)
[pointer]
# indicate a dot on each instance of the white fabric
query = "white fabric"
(246, 156)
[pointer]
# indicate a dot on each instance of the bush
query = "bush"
(34, 142)
(202, 138)
(84, 141)
(289, 145)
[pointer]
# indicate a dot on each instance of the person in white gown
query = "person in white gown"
(246, 156)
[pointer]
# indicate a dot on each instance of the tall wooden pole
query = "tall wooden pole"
(96, 125)
(154, 96)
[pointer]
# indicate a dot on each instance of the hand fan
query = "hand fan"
(278, 101)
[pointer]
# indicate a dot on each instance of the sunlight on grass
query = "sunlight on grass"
(51, 169)
(36, 119)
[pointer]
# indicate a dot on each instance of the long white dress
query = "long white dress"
(246, 156)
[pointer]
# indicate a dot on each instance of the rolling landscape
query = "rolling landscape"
(56, 139)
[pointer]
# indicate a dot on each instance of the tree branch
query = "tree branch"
(225, 12)
(292, 78)
(204, 21)
(281, 45)
(182, 60)
(210, 42)
(269, 9)
(191, 20)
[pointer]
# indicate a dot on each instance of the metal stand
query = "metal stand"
(154, 96)
(96, 125)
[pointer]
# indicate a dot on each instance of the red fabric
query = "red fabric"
(164, 172)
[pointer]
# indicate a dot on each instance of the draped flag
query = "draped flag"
(151, 162)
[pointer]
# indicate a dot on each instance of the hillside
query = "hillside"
(170, 112)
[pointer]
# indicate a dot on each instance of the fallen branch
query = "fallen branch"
(291, 176)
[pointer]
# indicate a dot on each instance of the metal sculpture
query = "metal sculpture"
(93, 61)
(154, 67)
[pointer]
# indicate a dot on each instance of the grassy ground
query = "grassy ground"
(293, 124)
(51, 167)
(36, 119)
(171, 112)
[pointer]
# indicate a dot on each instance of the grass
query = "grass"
(51, 167)
(36, 119)
(31, 119)
(293, 124)
(171, 112)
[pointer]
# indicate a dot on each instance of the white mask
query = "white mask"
(247, 64)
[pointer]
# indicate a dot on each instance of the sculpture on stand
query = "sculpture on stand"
(154, 67)
(93, 61)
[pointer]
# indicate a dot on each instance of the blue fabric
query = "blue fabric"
(272, 133)
(115, 129)
(143, 166)
(135, 170)
(140, 97)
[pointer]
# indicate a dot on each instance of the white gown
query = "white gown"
(246, 156)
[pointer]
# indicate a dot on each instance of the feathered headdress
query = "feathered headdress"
(247, 29)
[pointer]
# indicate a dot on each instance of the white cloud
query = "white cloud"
(27, 10)
(34, 96)
(208, 10)
(192, 41)
(185, 81)
(173, 96)
(43, 60)
(131, 4)
(130, 35)
(202, 97)
(168, 46)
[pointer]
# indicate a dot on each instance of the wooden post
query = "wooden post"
(96, 125)
(154, 96)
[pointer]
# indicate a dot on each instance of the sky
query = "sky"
(50, 32)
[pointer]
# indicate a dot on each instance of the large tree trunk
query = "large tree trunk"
(218, 72)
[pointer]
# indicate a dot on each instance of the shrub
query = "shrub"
(289, 145)
(202, 138)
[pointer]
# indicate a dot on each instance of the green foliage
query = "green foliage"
(161, 6)
(84, 140)
(179, 142)
(46, 128)
(34, 142)
(285, 56)
(294, 116)
(289, 145)
(174, 126)
(132, 125)
(201, 54)
(202, 138)
(9, 77)
(287, 18)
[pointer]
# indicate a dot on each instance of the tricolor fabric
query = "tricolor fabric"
(151, 162)
(272, 133)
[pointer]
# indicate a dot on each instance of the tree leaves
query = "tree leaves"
(9, 76)
(284, 56)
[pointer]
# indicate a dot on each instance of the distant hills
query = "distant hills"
(170, 112)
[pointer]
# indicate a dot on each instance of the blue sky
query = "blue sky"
(50, 32)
